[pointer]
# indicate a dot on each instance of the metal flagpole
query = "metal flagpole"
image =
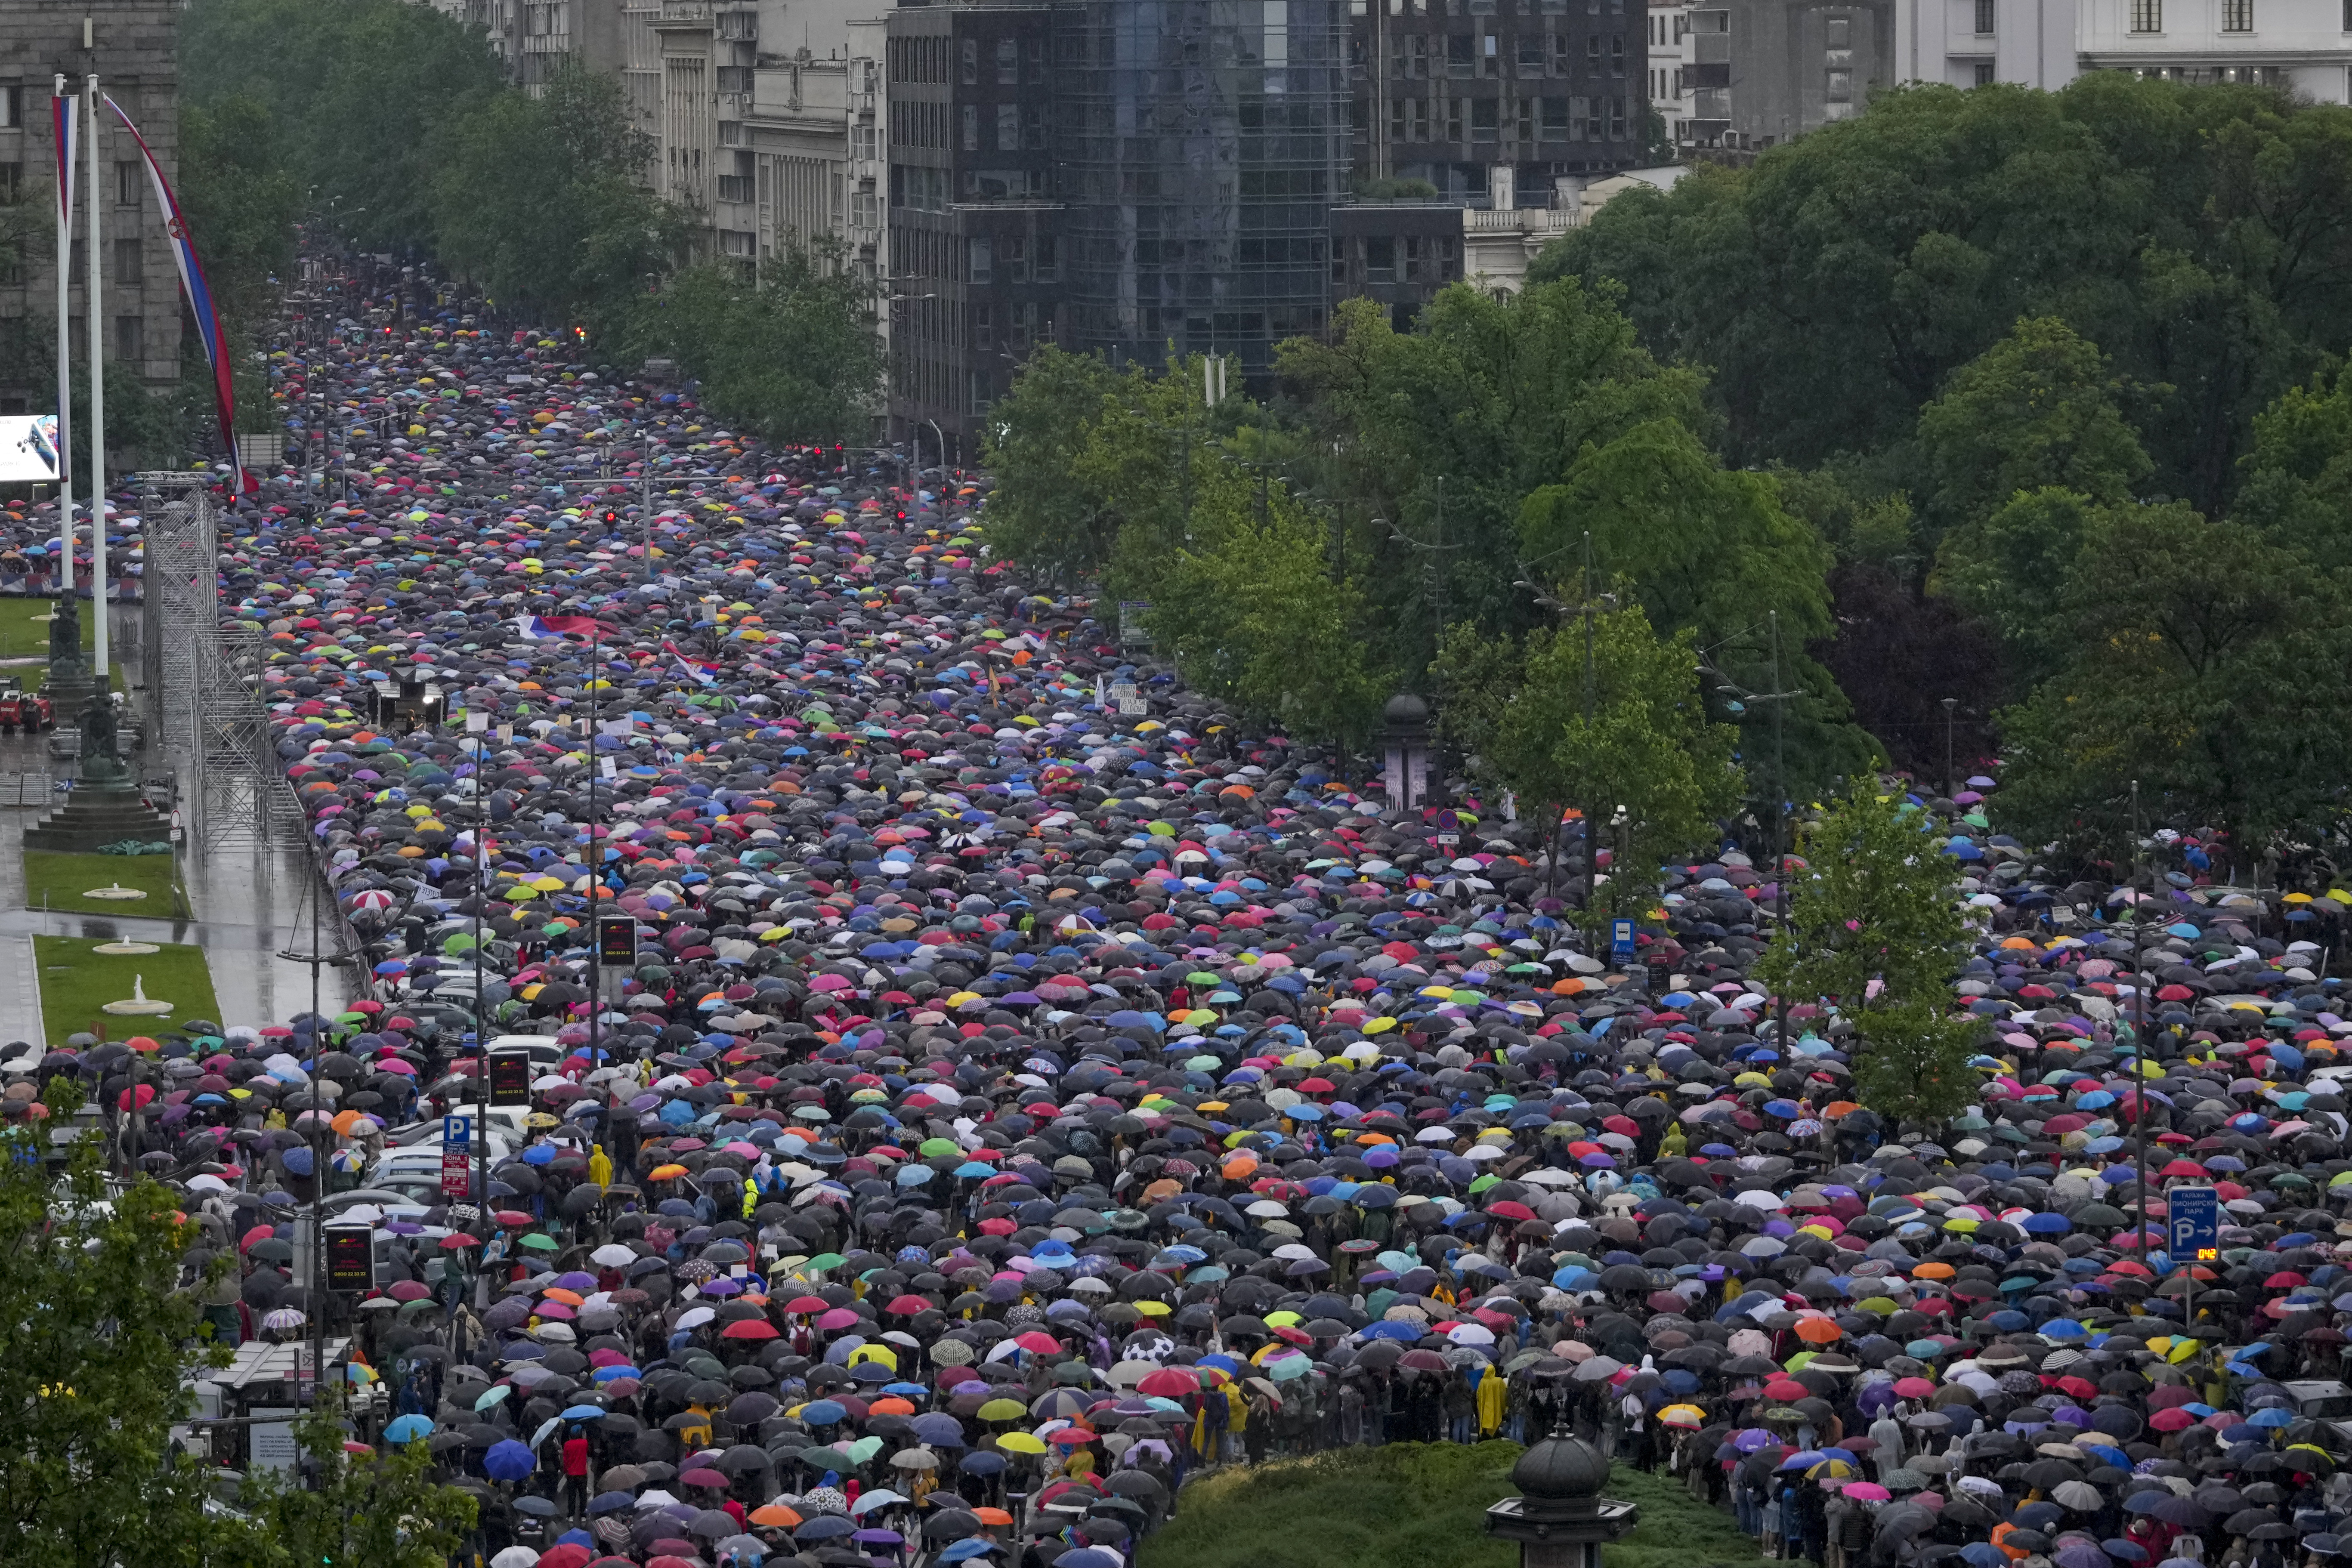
(66, 110)
(94, 298)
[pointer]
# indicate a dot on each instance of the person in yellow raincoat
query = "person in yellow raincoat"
(1493, 1396)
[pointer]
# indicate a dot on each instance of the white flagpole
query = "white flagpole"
(65, 338)
(96, 296)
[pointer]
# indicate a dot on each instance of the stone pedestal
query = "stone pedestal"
(102, 810)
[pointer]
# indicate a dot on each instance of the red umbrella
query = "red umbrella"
(1170, 1383)
(748, 1328)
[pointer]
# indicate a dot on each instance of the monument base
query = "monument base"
(99, 811)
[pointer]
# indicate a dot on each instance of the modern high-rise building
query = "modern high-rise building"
(1138, 177)
(1135, 177)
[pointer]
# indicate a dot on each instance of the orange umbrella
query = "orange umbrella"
(775, 1514)
(1818, 1330)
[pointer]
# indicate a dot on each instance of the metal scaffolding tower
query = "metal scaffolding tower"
(203, 680)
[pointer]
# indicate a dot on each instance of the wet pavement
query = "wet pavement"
(250, 905)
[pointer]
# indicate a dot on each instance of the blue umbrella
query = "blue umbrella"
(508, 1461)
(824, 1412)
(407, 1429)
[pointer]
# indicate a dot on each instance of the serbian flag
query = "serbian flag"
(200, 300)
(68, 140)
(702, 670)
(550, 628)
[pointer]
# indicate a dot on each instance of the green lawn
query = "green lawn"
(76, 983)
(23, 637)
(65, 878)
(1411, 1505)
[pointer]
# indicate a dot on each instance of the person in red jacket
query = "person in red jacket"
(575, 1473)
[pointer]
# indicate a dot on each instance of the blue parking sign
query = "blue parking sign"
(2194, 1213)
(456, 1132)
(1621, 939)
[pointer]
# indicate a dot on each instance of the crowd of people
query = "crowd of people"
(1026, 1094)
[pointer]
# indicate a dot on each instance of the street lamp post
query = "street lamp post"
(1950, 705)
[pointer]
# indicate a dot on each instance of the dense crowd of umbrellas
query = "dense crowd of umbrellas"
(1021, 1098)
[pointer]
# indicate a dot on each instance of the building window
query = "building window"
(1482, 120)
(1049, 259)
(2237, 15)
(978, 394)
(972, 128)
(2148, 16)
(1581, 121)
(1008, 127)
(12, 108)
(1008, 62)
(1555, 120)
(983, 327)
(1984, 17)
(1380, 260)
(127, 181)
(1984, 73)
(972, 62)
(129, 337)
(127, 258)
(1617, 56)
(1459, 60)
(12, 181)
(1840, 32)
(983, 261)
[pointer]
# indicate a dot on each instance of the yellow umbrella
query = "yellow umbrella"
(1683, 1416)
(1021, 1443)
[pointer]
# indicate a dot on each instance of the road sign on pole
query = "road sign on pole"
(2194, 1213)
(1621, 939)
(456, 1132)
(457, 1171)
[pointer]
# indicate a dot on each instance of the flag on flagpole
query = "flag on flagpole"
(200, 300)
(67, 122)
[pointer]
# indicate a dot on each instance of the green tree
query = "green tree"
(1052, 510)
(100, 1336)
(2206, 659)
(358, 1510)
(538, 200)
(360, 93)
(1251, 618)
(241, 201)
(1874, 930)
(2195, 234)
(1443, 431)
(2036, 411)
(1520, 706)
(1714, 552)
(791, 355)
(2011, 571)
(2298, 485)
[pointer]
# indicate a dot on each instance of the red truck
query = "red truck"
(22, 709)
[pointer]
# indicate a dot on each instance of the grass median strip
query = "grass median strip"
(78, 981)
(56, 880)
